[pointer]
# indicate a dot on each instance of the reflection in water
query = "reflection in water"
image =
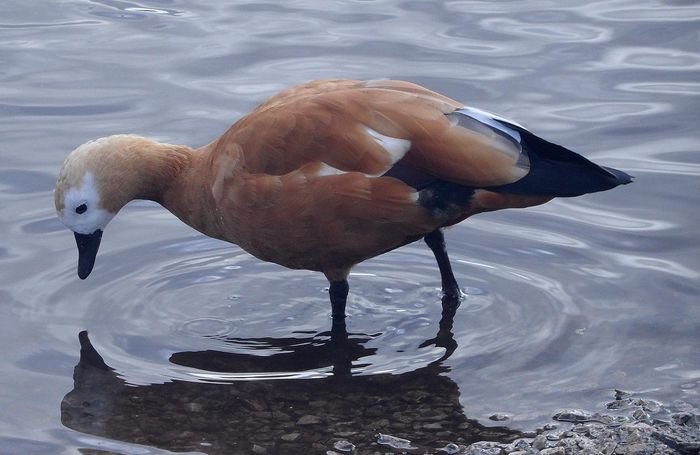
(281, 415)
(336, 352)
(329, 351)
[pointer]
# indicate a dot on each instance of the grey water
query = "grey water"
(193, 345)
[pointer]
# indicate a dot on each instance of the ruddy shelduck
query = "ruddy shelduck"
(327, 174)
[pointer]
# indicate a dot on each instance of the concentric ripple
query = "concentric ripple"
(147, 303)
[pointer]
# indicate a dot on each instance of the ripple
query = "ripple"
(656, 264)
(65, 110)
(659, 155)
(210, 327)
(140, 9)
(536, 234)
(488, 7)
(302, 60)
(132, 10)
(605, 219)
(647, 58)
(608, 10)
(22, 181)
(171, 304)
(48, 25)
(608, 111)
(671, 88)
(559, 32)
(127, 16)
(635, 11)
(43, 226)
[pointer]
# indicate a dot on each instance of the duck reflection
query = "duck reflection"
(335, 351)
(280, 415)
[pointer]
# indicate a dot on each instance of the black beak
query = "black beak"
(88, 244)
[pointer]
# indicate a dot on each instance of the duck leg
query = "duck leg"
(339, 295)
(450, 288)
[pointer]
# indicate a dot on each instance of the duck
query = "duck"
(327, 174)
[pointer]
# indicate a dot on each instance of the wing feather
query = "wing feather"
(327, 122)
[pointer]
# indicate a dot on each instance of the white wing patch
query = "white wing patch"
(328, 170)
(395, 147)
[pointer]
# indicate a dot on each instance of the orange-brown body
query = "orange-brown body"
(262, 189)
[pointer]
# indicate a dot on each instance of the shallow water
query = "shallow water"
(565, 302)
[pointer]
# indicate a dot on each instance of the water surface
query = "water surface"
(564, 302)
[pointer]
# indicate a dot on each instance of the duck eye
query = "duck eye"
(82, 208)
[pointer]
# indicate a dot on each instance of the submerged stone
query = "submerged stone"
(394, 442)
(259, 449)
(344, 446)
(485, 448)
(540, 442)
(290, 437)
(684, 418)
(308, 420)
(449, 449)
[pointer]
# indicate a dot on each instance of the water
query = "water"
(565, 303)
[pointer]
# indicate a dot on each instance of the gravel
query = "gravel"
(631, 426)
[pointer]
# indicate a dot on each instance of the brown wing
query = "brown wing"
(349, 126)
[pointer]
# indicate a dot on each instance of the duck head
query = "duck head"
(92, 186)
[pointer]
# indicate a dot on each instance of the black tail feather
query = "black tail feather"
(557, 171)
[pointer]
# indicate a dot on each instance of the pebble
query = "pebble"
(432, 426)
(619, 404)
(553, 451)
(582, 430)
(193, 407)
(647, 405)
(308, 420)
(592, 433)
(485, 448)
(499, 417)
(620, 394)
(684, 418)
(344, 446)
(640, 414)
(259, 449)
(566, 435)
(394, 442)
(572, 415)
(290, 437)
(520, 444)
(540, 442)
(449, 449)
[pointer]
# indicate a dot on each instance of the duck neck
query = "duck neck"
(188, 196)
(139, 168)
(161, 166)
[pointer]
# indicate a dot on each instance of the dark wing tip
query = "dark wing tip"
(623, 178)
